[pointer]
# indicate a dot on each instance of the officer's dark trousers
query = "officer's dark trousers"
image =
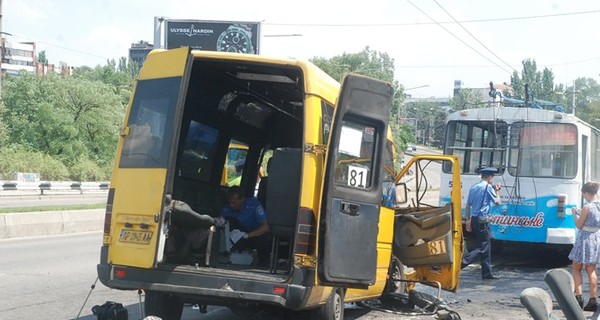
(484, 247)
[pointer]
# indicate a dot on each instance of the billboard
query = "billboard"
(229, 36)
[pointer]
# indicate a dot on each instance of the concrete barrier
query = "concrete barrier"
(28, 224)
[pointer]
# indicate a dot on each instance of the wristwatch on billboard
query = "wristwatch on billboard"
(237, 38)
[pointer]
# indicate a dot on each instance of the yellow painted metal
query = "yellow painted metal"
(138, 201)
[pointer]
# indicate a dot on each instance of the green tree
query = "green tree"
(119, 81)
(540, 83)
(438, 133)
(68, 119)
(41, 58)
(466, 99)
(378, 65)
(585, 93)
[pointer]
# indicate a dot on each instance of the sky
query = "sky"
(433, 42)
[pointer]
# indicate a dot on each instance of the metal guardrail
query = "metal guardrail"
(54, 185)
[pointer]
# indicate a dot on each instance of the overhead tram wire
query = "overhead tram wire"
(25, 38)
(426, 23)
(459, 39)
(472, 36)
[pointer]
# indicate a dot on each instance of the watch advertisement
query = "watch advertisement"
(227, 36)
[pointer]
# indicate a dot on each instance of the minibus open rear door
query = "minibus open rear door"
(351, 199)
(145, 155)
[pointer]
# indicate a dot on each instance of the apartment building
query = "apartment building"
(18, 56)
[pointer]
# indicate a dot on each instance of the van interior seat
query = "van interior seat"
(283, 189)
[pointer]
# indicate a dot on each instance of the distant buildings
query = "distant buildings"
(139, 51)
(18, 56)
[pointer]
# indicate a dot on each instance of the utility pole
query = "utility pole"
(158, 21)
(1, 52)
(572, 91)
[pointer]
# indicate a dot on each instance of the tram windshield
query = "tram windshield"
(543, 150)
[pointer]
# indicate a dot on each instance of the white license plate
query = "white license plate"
(134, 236)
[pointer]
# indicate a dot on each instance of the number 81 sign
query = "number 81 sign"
(357, 177)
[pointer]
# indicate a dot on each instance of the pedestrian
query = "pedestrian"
(586, 250)
(481, 196)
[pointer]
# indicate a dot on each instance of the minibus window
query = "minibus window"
(236, 160)
(150, 124)
(354, 157)
(199, 152)
(327, 115)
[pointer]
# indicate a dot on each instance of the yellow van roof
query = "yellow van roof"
(327, 87)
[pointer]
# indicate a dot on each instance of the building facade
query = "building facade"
(18, 56)
(139, 51)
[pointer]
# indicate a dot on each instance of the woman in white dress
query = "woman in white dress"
(586, 250)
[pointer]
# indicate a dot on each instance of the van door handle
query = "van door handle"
(351, 209)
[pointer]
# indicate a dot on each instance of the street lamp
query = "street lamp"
(573, 92)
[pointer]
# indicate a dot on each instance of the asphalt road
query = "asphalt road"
(50, 278)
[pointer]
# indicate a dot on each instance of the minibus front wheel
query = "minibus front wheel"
(396, 277)
(333, 308)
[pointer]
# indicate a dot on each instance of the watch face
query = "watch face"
(235, 39)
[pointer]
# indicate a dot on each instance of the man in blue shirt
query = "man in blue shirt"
(248, 216)
(481, 196)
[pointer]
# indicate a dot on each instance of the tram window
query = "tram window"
(477, 144)
(543, 150)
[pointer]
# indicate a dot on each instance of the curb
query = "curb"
(29, 224)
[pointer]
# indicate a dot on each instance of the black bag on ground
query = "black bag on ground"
(110, 310)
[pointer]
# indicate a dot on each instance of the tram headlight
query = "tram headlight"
(560, 209)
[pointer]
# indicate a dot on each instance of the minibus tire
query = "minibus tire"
(396, 271)
(333, 308)
(163, 305)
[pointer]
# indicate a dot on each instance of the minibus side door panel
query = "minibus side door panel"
(145, 156)
(428, 237)
(351, 199)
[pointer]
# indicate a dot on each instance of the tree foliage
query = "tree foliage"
(540, 83)
(583, 93)
(378, 65)
(466, 99)
(71, 121)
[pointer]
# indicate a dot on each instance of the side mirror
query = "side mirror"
(401, 193)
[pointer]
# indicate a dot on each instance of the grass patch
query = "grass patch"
(53, 208)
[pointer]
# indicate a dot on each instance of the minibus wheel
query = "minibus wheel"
(163, 305)
(333, 308)
(395, 275)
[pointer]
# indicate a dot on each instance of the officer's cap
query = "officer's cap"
(488, 170)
